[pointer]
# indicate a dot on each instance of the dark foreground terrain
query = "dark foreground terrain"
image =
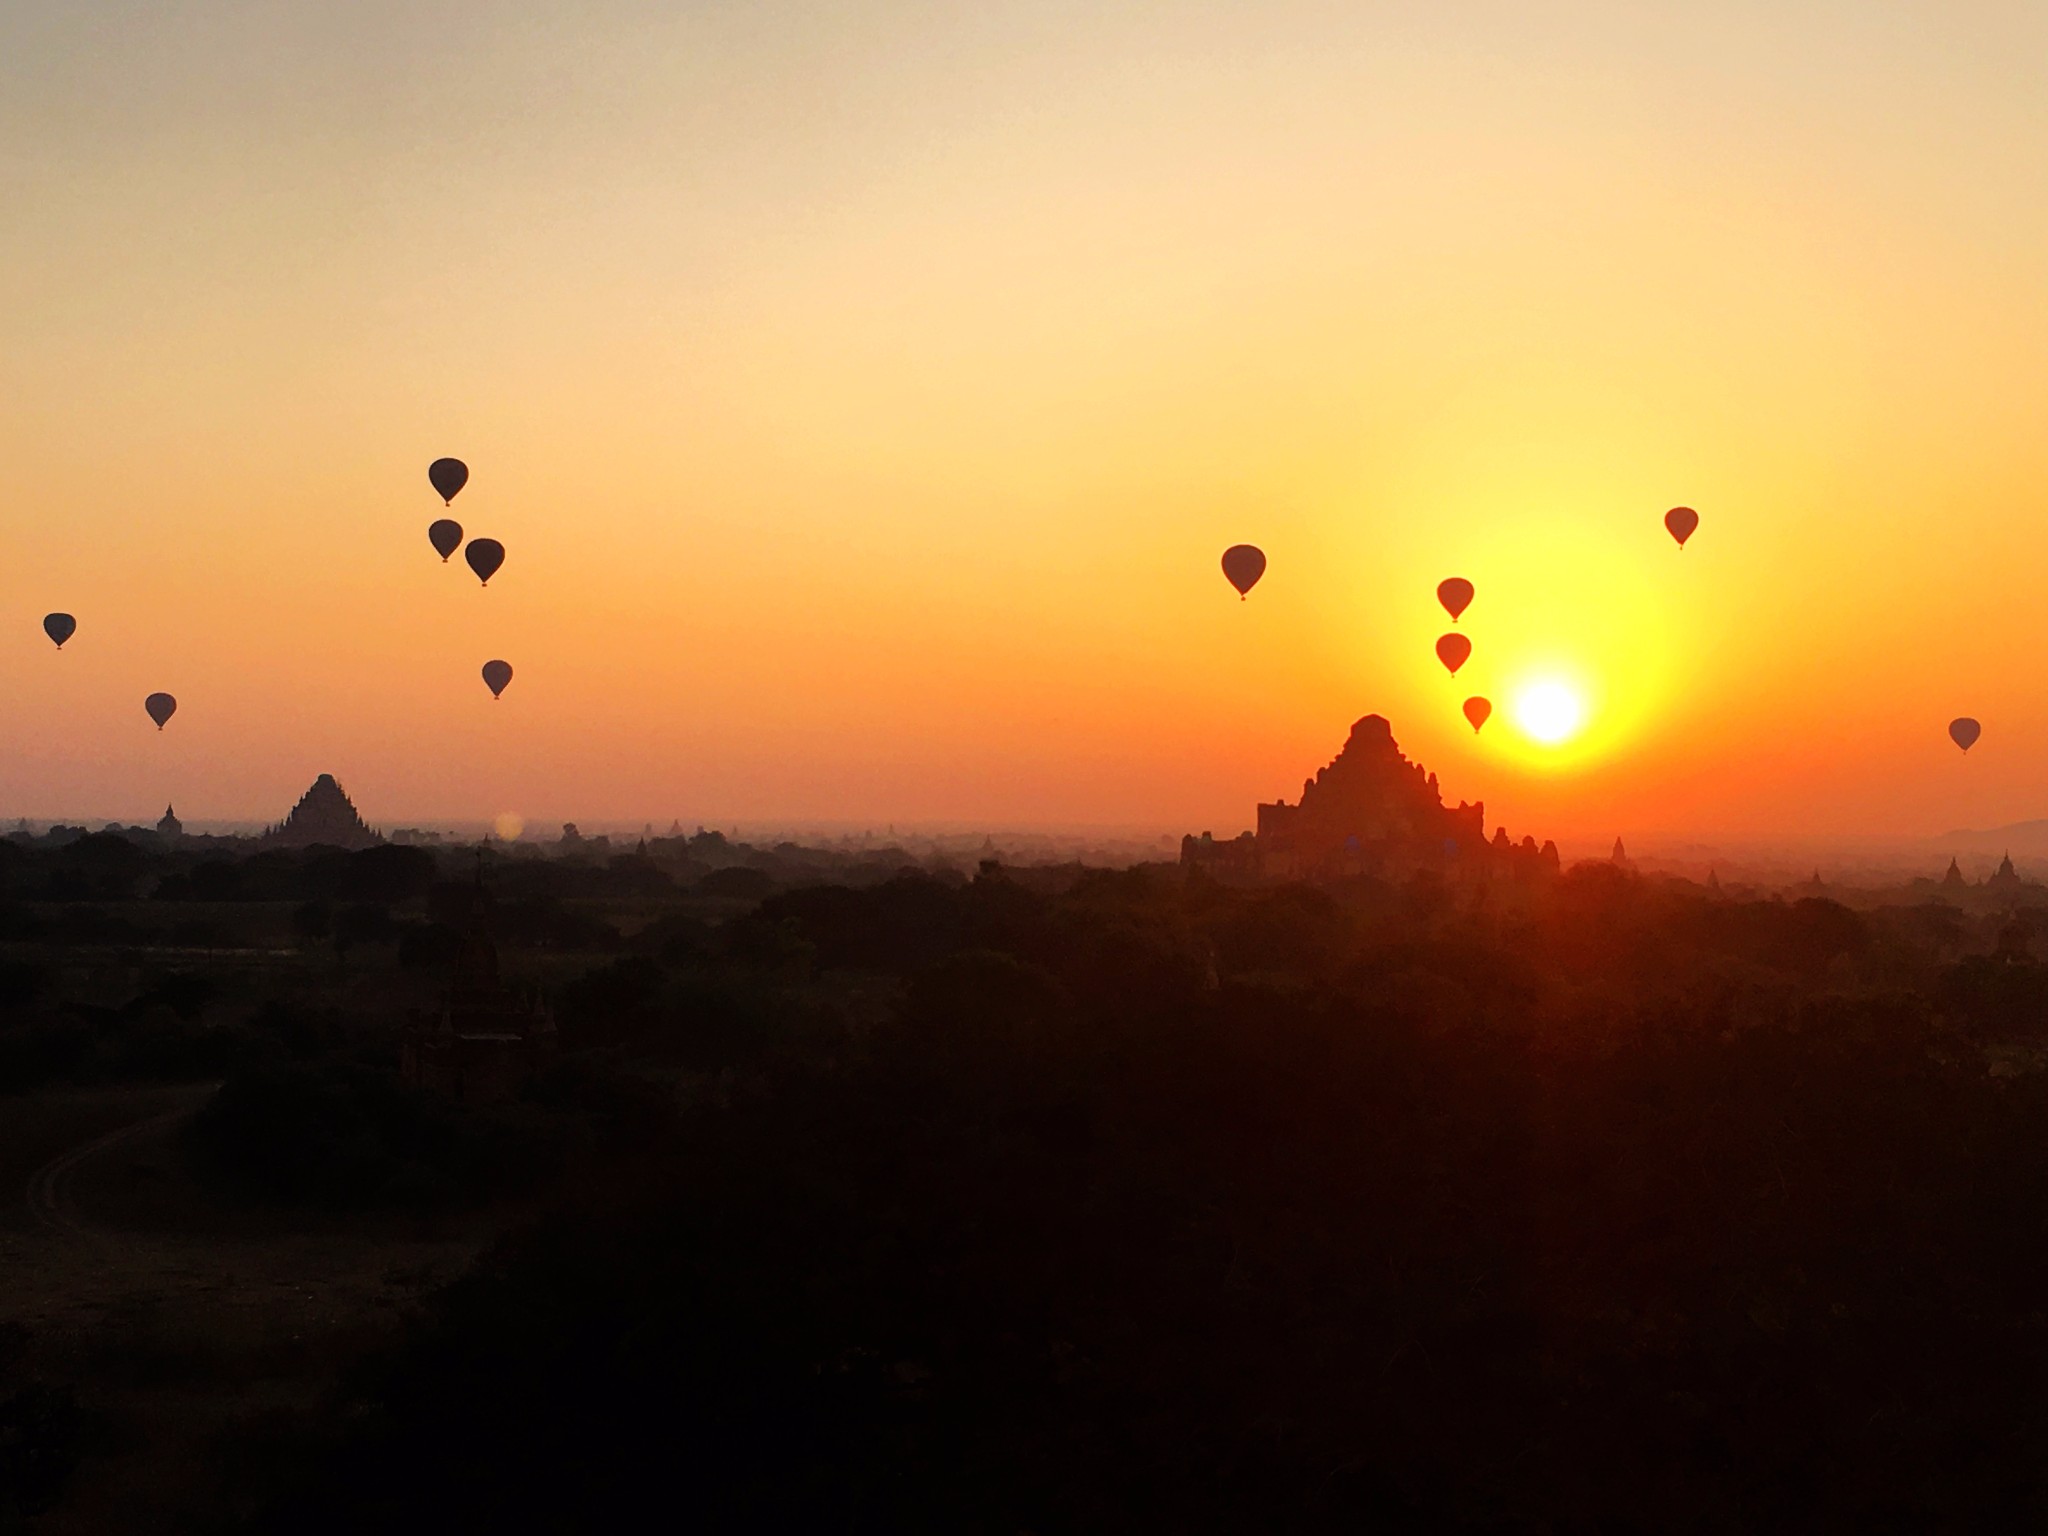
(1037, 1201)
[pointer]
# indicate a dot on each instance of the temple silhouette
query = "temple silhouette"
(487, 1039)
(1370, 811)
(325, 817)
(2004, 889)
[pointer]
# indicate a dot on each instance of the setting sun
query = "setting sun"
(1550, 712)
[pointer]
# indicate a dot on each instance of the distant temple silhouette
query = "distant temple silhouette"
(2005, 888)
(324, 817)
(487, 1040)
(170, 826)
(1369, 811)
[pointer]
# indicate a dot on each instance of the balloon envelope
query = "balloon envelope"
(1681, 521)
(1964, 732)
(1452, 650)
(496, 675)
(1455, 595)
(161, 707)
(445, 534)
(448, 476)
(484, 557)
(1476, 710)
(1244, 564)
(59, 627)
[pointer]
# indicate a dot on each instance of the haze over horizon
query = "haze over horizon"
(865, 393)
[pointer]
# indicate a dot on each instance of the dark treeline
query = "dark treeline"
(71, 864)
(1109, 1201)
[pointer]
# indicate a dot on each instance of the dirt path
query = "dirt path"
(184, 1319)
(49, 1188)
(111, 1223)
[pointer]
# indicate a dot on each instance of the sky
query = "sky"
(865, 394)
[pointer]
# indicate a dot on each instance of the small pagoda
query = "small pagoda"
(324, 817)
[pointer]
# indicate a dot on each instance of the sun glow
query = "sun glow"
(1549, 711)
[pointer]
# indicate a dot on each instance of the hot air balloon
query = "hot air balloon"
(496, 675)
(1964, 732)
(161, 707)
(1476, 710)
(445, 534)
(59, 627)
(1455, 595)
(1244, 564)
(447, 476)
(1681, 521)
(1452, 650)
(484, 557)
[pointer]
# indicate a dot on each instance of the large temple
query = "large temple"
(323, 817)
(1370, 812)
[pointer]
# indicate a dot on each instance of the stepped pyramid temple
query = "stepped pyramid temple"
(1370, 812)
(324, 817)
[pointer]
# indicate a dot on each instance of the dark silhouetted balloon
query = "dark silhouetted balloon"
(484, 557)
(161, 707)
(1452, 650)
(1244, 564)
(1455, 595)
(59, 627)
(1964, 732)
(1477, 710)
(445, 534)
(448, 476)
(1681, 521)
(496, 675)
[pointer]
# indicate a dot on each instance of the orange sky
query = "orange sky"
(865, 393)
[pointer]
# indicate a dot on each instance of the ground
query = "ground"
(204, 1330)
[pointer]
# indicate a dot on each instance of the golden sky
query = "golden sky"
(866, 392)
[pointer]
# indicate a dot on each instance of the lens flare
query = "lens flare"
(1550, 712)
